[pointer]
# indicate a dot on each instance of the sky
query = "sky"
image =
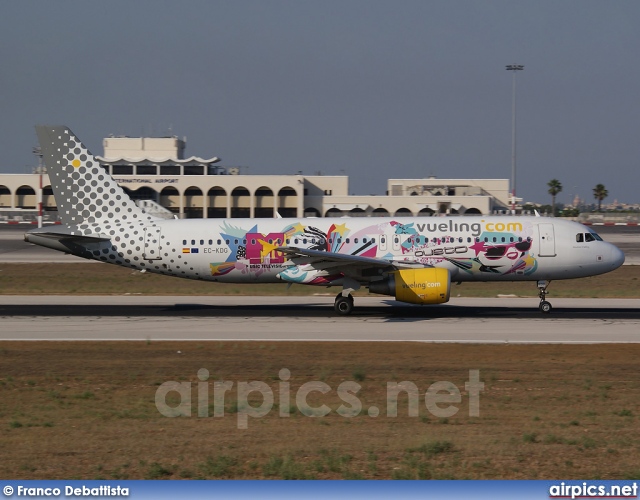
(367, 88)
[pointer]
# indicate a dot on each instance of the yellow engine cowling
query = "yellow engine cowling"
(416, 286)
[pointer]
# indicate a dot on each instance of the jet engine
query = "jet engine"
(430, 285)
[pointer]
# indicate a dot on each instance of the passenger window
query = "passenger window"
(202, 242)
(227, 241)
(364, 240)
(210, 242)
(579, 238)
(253, 242)
(193, 242)
(347, 240)
(383, 240)
(355, 240)
(304, 240)
(219, 242)
(589, 237)
(184, 242)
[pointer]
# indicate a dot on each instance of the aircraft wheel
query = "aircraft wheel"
(545, 307)
(343, 305)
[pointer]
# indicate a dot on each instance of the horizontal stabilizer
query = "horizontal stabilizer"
(74, 238)
(63, 240)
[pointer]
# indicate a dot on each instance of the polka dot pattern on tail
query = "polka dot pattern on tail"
(77, 179)
(90, 202)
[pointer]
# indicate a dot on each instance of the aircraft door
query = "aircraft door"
(546, 240)
(151, 243)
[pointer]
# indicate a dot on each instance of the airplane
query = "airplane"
(414, 259)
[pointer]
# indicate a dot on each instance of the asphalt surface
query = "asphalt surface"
(463, 320)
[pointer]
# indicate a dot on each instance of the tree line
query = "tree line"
(555, 187)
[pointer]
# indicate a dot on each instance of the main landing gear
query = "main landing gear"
(545, 307)
(343, 305)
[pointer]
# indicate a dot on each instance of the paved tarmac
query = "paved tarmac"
(463, 320)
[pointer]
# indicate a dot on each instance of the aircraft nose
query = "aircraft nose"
(617, 257)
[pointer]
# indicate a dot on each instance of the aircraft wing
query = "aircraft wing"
(320, 259)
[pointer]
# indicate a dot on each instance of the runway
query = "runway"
(463, 320)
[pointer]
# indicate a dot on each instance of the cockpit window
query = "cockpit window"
(596, 236)
(589, 237)
(579, 238)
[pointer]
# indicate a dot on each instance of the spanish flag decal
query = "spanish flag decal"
(186, 250)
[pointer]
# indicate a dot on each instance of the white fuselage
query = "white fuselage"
(472, 248)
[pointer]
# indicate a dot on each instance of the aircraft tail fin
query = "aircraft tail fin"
(84, 191)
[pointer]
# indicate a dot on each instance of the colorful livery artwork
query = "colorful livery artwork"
(413, 259)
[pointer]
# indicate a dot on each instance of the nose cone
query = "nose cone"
(617, 257)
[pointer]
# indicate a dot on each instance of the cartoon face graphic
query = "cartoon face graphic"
(504, 253)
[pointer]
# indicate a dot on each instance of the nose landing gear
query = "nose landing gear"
(545, 307)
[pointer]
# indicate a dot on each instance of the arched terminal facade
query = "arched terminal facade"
(194, 187)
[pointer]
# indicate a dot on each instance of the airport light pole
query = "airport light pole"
(514, 68)
(38, 152)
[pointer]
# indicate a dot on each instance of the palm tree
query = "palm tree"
(554, 188)
(600, 193)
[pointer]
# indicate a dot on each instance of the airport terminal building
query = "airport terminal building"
(155, 172)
